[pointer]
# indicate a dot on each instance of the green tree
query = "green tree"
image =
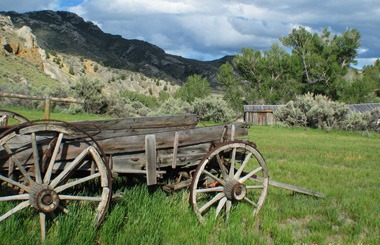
(256, 77)
(372, 73)
(233, 90)
(324, 59)
(359, 91)
(195, 87)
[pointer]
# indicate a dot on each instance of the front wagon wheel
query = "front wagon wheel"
(231, 173)
(50, 169)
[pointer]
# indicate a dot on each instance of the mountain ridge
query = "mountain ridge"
(66, 32)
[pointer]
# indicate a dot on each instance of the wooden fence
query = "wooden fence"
(47, 100)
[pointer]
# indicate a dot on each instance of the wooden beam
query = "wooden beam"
(30, 97)
(296, 189)
(175, 149)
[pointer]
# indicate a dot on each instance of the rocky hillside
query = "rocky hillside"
(69, 34)
(27, 67)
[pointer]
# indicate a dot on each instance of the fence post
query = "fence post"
(47, 109)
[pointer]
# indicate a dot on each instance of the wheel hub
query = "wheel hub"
(235, 190)
(43, 198)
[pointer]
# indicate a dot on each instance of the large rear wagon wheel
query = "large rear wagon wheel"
(231, 173)
(46, 166)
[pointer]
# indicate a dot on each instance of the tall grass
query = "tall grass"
(343, 165)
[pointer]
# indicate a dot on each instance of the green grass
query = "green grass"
(343, 165)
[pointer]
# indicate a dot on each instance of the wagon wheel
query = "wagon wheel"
(231, 173)
(11, 118)
(45, 166)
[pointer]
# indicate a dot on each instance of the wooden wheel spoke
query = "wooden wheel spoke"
(222, 167)
(250, 187)
(211, 189)
(42, 216)
(250, 202)
(71, 167)
(243, 165)
(228, 209)
(211, 202)
(64, 210)
(18, 163)
(36, 159)
(76, 182)
(52, 159)
(221, 204)
(81, 198)
(249, 175)
(213, 177)
(14, 210)
(21, 197)
(14, 183)
(232, 162)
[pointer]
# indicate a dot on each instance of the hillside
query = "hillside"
(69, 34)
(27, 68)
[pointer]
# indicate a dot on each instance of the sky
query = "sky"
(211, 29)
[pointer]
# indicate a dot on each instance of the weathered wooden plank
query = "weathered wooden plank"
(166, 139)
(186, 156)
(139, 123)
(151, 159)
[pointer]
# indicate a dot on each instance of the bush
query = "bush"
(148, 101)
(313, 111)
(213, 108)
(123, 107)
(172, 107)
(355, 122)
(91, 92)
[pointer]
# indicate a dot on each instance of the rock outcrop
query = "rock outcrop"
(20, 42)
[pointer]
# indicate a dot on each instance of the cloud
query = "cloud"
(208, 29)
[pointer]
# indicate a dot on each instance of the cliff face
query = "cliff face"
(20, 42)
(68, 33)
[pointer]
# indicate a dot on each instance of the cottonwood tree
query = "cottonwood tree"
(195, 87)
(257, 77)
(324, 59)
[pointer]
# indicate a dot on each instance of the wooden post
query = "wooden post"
(47, 109)
(151, 159)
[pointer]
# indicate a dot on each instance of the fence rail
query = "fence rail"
(47, 100)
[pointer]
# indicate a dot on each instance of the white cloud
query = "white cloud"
(213, 28)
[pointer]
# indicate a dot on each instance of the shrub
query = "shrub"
(355, 121)
(148, 101)
(91, 92)
(123, 107)
(172, 107)
(213, 108)
(313, 111)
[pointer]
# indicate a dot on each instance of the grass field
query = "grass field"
(342, 165)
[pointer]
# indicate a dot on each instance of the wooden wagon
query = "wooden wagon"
(51, 167)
